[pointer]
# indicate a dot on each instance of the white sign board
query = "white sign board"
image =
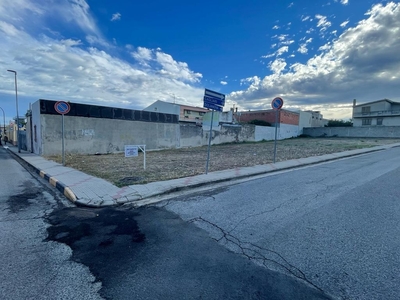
(131, 151)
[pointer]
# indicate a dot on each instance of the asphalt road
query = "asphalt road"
(30, 266)
(330, 229)
(335, 225)
(52, 250)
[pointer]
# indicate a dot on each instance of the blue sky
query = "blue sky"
(314, 54)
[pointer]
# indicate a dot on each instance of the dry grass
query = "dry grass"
(170, 164)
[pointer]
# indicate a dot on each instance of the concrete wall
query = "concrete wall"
(264, 133)
(365, 131)
(91, 135)
(194, 136)
(286, 131)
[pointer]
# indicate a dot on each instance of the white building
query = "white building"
(376, 113)
(310, 118)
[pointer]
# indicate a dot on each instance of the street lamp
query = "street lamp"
(16, 103)
(4, 119)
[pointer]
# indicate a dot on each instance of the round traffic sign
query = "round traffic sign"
(62, 107)
(277, 103)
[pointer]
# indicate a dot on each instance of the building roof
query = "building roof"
(372, 102)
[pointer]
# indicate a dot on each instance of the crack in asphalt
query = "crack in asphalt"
(271, 210)
(255, 252)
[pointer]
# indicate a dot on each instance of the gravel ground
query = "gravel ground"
(176, 163)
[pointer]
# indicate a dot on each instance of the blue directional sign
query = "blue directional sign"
(62, 107)
(212, 100)
(213, 106)
(212, 94)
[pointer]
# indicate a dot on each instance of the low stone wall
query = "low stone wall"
(365, 131)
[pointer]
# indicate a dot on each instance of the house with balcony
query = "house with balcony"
(383, 112)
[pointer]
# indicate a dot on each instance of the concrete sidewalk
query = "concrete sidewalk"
(86, 190)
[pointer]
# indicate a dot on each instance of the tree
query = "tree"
(339, 123)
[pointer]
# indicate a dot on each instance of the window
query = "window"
(35, 133)
(366, 121)
(379, 121)
(366, 109)
(188, 112)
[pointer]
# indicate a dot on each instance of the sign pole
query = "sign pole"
(62, 133)
(209, 140)
(276, 104)
(276, 132)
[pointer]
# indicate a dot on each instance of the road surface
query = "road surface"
(30, 266)
(335, 225)
(52, 250)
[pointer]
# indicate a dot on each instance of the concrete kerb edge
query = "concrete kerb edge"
(204, 183)
(65, 190)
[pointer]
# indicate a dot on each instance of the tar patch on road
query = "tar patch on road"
(99, 238)
(22, 201)
(74, 224)
(101, 228)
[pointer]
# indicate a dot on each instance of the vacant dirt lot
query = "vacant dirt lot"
(177, 163)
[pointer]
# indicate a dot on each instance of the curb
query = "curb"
(65, 190)
(140, 199)
(181, 187)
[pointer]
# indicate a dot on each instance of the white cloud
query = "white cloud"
(362, 63)
(142, 55)
(224, 82)
(275, 27)
(277, 53)
(344, 2)
(174, 69)
(323, 22)
(282, 50)
(282, 37)
(305, 18)
(344, 24)
(116, 17)
(303, 47)
(278, 65)
(64, 68)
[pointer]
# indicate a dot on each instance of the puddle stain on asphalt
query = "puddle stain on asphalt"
(22, 201)
(102, 239)
(70, 225)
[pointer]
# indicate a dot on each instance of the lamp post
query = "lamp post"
(4, 119)
(16, 103)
